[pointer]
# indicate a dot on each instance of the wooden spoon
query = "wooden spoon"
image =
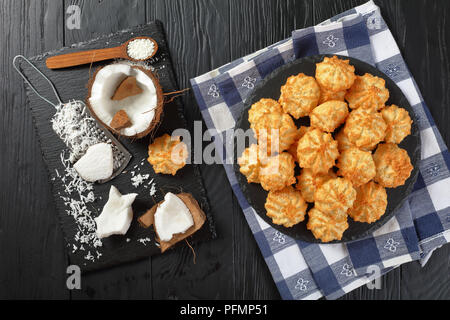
(90, 56)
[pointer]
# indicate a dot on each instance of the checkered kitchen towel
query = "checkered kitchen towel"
(309, 271)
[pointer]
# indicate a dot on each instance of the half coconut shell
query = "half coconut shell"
(199, 217)
(158, 108)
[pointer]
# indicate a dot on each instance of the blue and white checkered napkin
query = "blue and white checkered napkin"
(309, 271)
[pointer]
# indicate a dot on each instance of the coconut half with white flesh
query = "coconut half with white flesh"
(143, 109)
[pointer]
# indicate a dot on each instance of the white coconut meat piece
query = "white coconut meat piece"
(96, 164)
(139, 108)
(116, 215)
(172, 217)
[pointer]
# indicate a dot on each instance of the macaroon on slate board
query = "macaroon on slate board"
(269, 87)
(71, 83)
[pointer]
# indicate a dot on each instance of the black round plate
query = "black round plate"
(270, 88)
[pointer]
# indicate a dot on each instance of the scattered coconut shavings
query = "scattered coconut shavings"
(78, 194)
(144, 241)
(78, 130)
(138, 179)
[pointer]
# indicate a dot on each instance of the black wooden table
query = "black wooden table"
(202, 35)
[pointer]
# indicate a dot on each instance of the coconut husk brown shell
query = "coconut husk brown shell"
(158, 109)
(199, 217)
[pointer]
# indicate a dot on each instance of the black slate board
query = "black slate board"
(270, 88)
(71, 83)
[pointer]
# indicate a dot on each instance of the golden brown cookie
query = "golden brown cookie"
(278, 172)
(370, 203)
(329, 115)
(286, 207)
(293, 148)
(368, 92)
(365, 129)
(335, 74)
(299, 95)
(357, 166)
(250, 164)
(307, 182)
(324, 227)
(262, 107)
(335, 197)
(167, 154)
(275, 132)
(398, 123)
(393, 165)
(317, 150)
(328, 95)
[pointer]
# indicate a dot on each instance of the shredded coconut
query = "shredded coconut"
(138, 179)
(78, 194)
(78, 130)
(140, 49)
(144, 241)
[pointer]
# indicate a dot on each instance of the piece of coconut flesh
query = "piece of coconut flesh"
(116, 215)
(96, 164)
(140, 108)
(172, 217)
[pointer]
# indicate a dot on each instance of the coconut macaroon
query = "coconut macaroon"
(368, 92)
(370, 203)
(286, 207)
(335, 197)
(292, 150)
(299, 95)
(335, 74)
(398, 123)
(325, 227)
(262, 107)
(365, 129)
(143, 109)
(357, 166)
(278, 172)
(329, 115)
(275, 132)
(167, 154)
(329, 95)
(317, 150)
(307, 182)
(250, 164)
(393, 165)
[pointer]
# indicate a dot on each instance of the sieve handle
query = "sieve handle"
(16, 58)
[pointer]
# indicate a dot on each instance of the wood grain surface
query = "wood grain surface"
(202, 34)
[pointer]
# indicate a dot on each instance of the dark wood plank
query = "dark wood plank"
(259, 23)
(429, 282)
(33, 262)
(104, 17)
(131, 280)
(198, 36)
